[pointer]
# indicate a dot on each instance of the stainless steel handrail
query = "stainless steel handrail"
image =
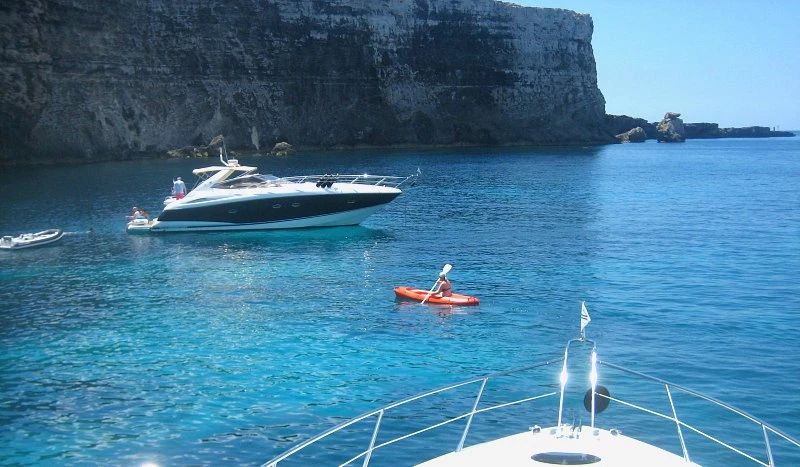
(765, 427)
(359, 179)
(274, 462)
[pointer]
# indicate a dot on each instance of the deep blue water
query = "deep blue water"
(227, 348)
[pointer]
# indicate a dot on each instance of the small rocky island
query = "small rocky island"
(671, 129)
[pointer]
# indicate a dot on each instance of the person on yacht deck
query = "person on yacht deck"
(136, 213)
(179, 188)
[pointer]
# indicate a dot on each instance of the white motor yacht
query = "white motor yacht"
(234, 197)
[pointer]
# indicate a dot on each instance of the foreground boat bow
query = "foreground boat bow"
(529, 417)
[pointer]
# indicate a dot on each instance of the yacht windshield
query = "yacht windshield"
(250, 180)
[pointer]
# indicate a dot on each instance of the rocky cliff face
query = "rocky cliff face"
(91, 79)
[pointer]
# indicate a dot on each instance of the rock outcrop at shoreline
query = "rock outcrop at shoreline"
(212, 149)
(89, 80)
(636, 135)
(670, 129)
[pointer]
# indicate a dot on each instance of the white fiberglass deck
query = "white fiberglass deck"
(551, 446)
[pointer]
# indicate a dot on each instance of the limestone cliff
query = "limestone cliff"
(93, 79)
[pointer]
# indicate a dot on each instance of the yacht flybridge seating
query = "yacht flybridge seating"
(233, 197)
(531, 417)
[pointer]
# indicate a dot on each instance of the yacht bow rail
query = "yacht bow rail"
(740, 448)
(362, 179)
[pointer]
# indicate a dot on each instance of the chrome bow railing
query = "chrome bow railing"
(362, 179)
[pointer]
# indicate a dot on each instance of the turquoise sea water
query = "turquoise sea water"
(228, 348)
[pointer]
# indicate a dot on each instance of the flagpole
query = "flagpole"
(585, 319)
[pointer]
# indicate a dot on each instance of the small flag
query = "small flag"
(585, 319)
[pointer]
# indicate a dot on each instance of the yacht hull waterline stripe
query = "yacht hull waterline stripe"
(353, 217)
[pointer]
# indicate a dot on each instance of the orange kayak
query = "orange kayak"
(419, 295)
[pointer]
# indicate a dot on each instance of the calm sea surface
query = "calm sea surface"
(228, 348)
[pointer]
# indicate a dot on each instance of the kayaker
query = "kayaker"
(444, 289)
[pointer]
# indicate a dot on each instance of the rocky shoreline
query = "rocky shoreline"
(671, 129)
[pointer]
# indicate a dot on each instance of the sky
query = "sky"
(733, 62)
